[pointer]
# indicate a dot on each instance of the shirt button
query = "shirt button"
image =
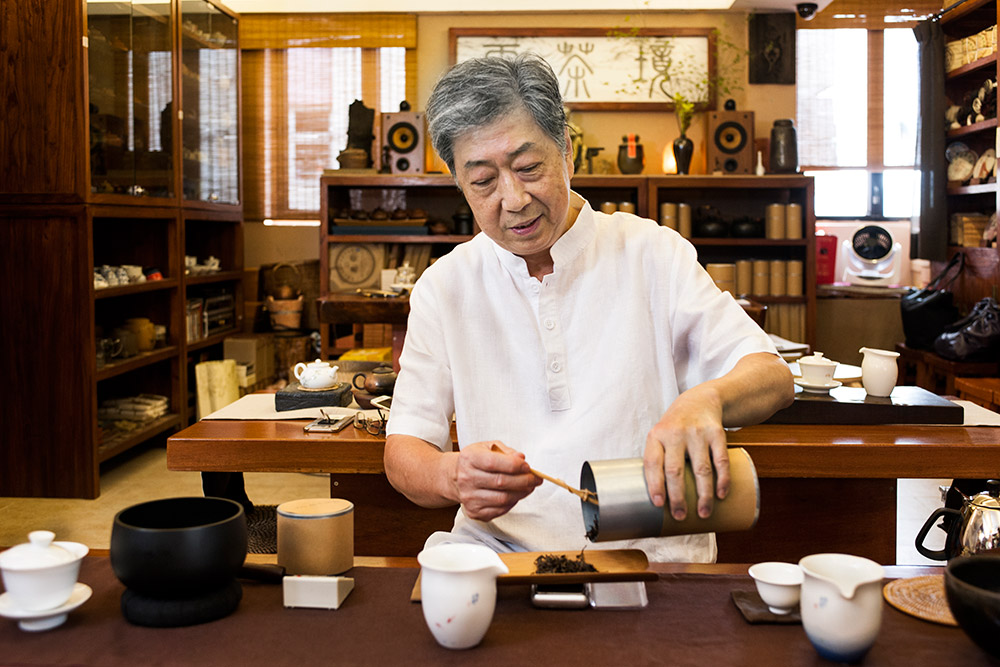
(549, 324)
(555, 366)
(535, 288)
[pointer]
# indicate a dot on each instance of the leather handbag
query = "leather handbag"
(928, 312)
(975, 337)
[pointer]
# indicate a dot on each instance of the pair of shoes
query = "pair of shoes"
(977, 340)
(971, 317)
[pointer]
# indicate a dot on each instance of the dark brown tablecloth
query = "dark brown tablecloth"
(690, 620)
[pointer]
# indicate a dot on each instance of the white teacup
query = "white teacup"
(841, 604)
(779, 585)
(816, 369)
(458, 592)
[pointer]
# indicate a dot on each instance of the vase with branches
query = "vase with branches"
(683, 146)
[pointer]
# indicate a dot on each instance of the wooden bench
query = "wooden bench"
(982, 391)
(935, 373)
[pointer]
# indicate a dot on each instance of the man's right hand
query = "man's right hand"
(489, 478)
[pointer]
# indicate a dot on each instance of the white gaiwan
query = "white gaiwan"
(317, 375)
(41, 580)
(817, 373)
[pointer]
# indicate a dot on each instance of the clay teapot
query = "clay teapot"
(380, 382)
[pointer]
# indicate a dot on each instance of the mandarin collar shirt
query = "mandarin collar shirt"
(575, 367)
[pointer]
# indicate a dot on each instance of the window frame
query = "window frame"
(875, 155)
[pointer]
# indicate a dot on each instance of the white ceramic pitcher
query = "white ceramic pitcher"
(878, 371)
(841, 604)
(458, 591)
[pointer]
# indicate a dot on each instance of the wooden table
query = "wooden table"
(822, 487)
(690, 619)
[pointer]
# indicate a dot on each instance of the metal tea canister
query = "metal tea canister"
(626, 512)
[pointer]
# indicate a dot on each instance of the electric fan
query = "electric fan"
(871, 257)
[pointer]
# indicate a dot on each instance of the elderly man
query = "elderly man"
(561, 335)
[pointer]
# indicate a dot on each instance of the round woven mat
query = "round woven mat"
(923, 597)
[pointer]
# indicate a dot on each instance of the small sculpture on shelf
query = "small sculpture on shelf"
(361, 120)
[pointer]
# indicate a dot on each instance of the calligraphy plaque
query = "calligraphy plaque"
(599, 69)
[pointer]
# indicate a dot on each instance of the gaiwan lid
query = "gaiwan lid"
(38, 553)
(816, 359)
(315, 508)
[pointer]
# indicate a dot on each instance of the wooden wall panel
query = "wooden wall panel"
(42, 78)
(48, 355)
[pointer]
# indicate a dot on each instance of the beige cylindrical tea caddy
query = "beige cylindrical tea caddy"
(761, 277)
(626, 511)
(316, 536)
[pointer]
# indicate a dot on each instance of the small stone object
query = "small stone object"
(294, 397)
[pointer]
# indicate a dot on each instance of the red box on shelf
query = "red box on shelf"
(826, 259)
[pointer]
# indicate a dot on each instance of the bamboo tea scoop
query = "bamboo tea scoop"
(585, 495)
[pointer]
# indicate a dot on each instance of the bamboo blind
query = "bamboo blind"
(286, 31)
(299, 70)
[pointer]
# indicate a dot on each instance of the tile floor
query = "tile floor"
(134, 478)
(143, 475)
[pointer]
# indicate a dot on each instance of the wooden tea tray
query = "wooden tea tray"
(852, 405)
(611, 564)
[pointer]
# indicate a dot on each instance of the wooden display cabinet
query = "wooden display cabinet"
(981, 277)
(437, 195)
(739, 197)
(437, 198)
(92, 175)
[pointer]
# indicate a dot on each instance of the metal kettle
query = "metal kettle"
(975, 528)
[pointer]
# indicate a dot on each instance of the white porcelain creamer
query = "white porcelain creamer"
(458, 592)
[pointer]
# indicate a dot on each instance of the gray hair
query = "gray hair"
(477, 92)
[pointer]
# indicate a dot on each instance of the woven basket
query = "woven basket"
(286, 314)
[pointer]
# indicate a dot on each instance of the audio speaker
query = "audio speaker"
(730, 142)
(403, 142)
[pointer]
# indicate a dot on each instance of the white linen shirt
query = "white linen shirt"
(575, 367)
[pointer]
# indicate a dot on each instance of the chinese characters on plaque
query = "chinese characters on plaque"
(600, 67)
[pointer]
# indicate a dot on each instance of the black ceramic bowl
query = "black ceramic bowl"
(972, 585)
(179, 547)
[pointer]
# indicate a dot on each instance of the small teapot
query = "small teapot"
(317, 375)
(976, 527)
(380, 383)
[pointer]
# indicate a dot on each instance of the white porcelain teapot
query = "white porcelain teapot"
(317, 375)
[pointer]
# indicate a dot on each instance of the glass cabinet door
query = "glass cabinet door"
(130, 84)
(209, 137)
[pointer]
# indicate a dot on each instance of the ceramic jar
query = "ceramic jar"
(145, 332)
(630, 155)
(316, 536)
(784, 147)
